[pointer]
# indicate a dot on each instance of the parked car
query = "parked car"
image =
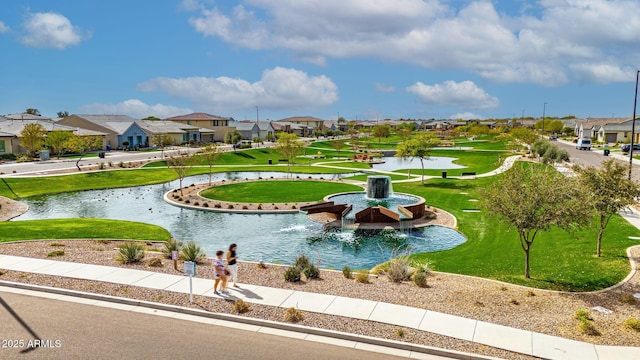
(583, 144)
(553, 138)
(626, 147)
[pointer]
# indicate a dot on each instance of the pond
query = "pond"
(392, 163)
(274, 238)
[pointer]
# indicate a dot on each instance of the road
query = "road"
(78, 331)
(594, 157)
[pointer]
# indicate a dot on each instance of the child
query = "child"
(219, 274)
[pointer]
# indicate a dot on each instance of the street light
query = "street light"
(633, 125)
(544, 108)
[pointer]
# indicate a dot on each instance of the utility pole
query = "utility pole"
(544, 108)
(633, 125)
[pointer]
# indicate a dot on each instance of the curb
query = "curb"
(398, 345)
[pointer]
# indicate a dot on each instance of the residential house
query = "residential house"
(588, 128)
(10, 130)
(294, 128)
(617, 132)
(119, 129)
(221, 125)
(178, 132)
(248, 129)
(309, 122)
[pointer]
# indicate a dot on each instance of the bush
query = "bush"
(420, 279)
(398, 269)
(628, 299)
(241, 307)
(311, 271)
(130, 252)
(56, 244)
(292, 274)
(346, 272)
(588, 328)
(632, 323)
(192, 252)
(302, 262)
(582, 314)
(293, 315)
(55, 253)
(154, 262)
(363, 276)
(171, 245)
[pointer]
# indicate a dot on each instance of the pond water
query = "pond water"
(392, 163)
(277, 238)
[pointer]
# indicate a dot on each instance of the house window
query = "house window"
(2, 146)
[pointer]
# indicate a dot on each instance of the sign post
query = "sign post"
(174, 257)
(190, 269)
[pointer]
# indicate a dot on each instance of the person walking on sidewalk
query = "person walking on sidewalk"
(219, 274)
(232, 258)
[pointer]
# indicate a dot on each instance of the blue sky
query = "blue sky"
(360, 59)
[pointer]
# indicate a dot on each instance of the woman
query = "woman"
(219, 274)
(232, 263)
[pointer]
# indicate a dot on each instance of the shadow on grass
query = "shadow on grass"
(244, 155)
(444, 184)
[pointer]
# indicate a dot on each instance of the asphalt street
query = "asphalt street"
(65, 330)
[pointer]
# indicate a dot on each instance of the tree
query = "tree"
(258, 140)
(210, 154)
(381, 131)
(531, 199)
(151, 118)
(608, 191)
(405, 130)
(232, 137)
(181, 164)
(269, 137)
(57, 139)
(81, 144)
(524, 135)
(337, 145)
(62, 114)
(162, 141)
(478, 130)
(32, 111)
(420, 146)
(288, 146)
(32, 138)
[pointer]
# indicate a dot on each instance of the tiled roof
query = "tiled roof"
(198, 116)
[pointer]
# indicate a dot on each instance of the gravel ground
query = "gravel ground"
(530, 309)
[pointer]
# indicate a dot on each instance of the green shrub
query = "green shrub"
(311, 271)
(130, 252)
(171, 245)
(588, 328)
(56, 244)
(400, 332)
(293, 315)
(582, 314)
(420, 279)
(632, 323)
(302, 262)
(346, 272)
(292, 274)
(55, 253)
(363, 276)
(192, 252)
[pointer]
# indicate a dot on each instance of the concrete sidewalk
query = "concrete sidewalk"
(516, 340)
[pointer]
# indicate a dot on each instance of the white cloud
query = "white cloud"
(51, 30)
(603, 73)
(466, 116)
(546, 48)
(4, 28)
(279, 88)
(464, 95)
(136, 109)
(384, 88)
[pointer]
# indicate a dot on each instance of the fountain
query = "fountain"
(377, 208)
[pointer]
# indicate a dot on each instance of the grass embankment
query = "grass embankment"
(80, 228)
(280, 191)
(559, 260)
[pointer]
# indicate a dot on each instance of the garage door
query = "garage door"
(611, 138)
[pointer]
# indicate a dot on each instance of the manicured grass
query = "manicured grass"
(475, 161)
(559, 260)
(80, 228)
(277, 191)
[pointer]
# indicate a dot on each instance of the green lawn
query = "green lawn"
(80, 229)
(474, 161)
(280, 191)
(559, 260)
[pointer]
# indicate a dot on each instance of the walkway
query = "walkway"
(498, 336)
